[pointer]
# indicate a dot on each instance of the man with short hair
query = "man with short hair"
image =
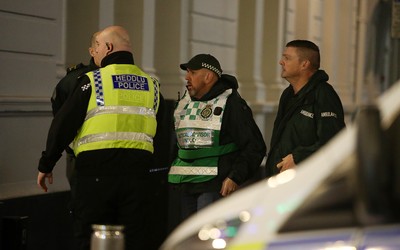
(310, 112)
(220, 145)
(111, 117)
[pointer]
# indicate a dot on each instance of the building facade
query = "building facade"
(41, 38)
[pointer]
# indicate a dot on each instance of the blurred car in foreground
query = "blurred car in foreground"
(344, 197)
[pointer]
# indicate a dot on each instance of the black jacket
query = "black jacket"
(237, 126)
(305, 121)
(67, 84)
(70, 118)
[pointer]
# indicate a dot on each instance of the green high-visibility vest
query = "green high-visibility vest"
(197, 126)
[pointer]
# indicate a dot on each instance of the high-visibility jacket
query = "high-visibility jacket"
(197, 126)
(122, 110)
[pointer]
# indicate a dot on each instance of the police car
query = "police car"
(344, 197)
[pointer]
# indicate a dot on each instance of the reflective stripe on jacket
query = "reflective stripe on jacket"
(197, 126)
(122, 110)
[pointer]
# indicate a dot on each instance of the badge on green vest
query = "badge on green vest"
(206, 112)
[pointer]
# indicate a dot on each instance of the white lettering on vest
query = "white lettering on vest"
(130, 82)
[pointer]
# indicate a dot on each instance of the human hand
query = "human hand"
(286, 163)
(228, 186)
(41, 180)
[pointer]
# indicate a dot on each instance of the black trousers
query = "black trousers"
(111, 200)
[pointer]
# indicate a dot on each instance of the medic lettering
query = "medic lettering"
(130, 82)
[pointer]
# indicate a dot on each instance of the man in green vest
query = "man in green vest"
(112, 119)
(220, 146)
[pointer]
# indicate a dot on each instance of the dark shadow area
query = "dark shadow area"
(37, 222)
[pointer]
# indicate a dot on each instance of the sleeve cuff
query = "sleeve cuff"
(46, 164)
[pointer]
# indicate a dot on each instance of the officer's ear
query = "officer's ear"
(109, 46)
(91, 51)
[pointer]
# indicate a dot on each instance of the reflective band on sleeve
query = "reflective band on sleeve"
(115, 136)
(180, 170)
(101, 110)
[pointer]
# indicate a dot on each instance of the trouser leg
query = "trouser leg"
(206, 199)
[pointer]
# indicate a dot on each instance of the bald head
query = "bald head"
(112, 39)
(117, 37)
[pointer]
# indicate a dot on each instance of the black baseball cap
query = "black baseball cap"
(206, 61)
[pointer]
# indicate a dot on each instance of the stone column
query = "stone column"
(172, 22)
(338, 47)
(106, 13)
(250, 50)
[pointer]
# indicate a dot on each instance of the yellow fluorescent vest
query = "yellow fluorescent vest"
(122, 110)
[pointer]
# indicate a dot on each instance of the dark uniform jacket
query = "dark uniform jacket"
(67, 84)
(237, 126)
(70, 118)
(305, 121)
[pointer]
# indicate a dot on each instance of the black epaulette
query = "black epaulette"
(78, 66)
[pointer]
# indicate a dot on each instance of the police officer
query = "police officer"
(310, 111)
(115, 110)
(64, 89)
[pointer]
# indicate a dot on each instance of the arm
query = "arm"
(62, 131)
(65, 87)
(239, 126)
(58, 98)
